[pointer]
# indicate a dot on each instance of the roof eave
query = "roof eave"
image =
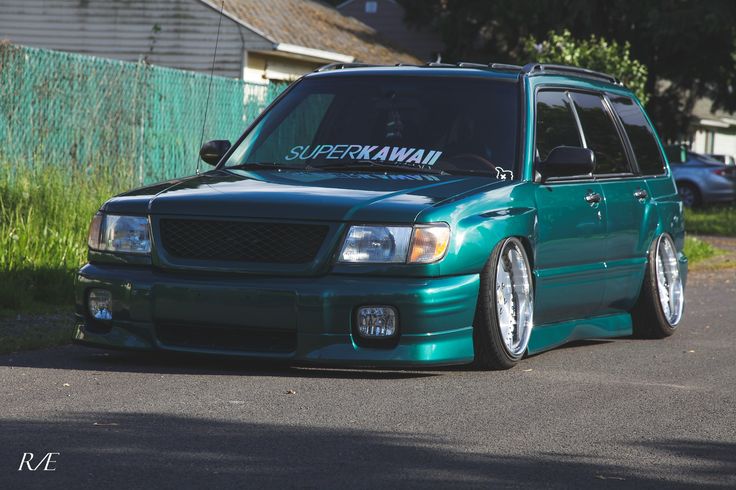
(318, 55)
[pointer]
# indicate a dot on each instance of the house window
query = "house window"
(371, 7)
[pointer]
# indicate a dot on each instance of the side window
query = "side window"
(556, 124)
(640, 134)
(601, 135)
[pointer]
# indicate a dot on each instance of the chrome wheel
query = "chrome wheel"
(514, 298)
(669, 281)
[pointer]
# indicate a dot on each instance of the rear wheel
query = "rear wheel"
(504, 313)
(689, 194)
(662, 298)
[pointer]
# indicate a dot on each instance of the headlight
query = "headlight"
(395, 244)
(114, 233)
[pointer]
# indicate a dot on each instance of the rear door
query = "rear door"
(629, 228)
(571, 231)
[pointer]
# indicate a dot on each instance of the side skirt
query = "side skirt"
(545, 337)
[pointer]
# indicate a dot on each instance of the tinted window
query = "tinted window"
(556, 124)
(453, 124)
(640, 135)
(600, 134)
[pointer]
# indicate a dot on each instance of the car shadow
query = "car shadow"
(153, 450)
(98, 360)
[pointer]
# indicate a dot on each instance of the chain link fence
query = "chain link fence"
(140, 121)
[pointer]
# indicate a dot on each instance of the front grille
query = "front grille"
(239, 339)
(241, 241)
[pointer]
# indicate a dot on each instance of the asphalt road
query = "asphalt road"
(610, 414)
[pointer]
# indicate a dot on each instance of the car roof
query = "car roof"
(466, 69)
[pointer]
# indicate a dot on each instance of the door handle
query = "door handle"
(640, 194)
(593, 198)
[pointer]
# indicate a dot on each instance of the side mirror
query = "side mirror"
(213, 151)
(567, 161)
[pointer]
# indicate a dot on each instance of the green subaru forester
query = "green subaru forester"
(402, 216)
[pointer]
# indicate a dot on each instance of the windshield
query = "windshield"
(399, 123)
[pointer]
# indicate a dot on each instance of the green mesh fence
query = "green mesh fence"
(144, 121)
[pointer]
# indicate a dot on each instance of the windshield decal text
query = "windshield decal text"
(387, 154)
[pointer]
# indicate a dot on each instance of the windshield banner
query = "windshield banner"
(388, 154)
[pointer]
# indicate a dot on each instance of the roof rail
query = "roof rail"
(530, 69)
(542, 68)
(341, 66)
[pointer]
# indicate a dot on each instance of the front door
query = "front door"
(570, 255)
(570, 235)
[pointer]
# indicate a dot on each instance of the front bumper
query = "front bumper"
(315, 315)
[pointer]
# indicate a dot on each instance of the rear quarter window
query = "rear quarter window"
(641, 136)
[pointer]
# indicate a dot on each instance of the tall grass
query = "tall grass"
(712, 220)
(44, 217)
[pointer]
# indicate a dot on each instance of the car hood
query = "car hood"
(301, 195)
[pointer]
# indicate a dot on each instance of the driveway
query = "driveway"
(605, 414)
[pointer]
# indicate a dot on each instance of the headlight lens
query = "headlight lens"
(126, 234)
(378, 244)
(422, 244)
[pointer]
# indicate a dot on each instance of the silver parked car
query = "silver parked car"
(702, 179)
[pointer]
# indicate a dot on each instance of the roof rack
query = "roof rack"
(545, 68)
(530, 69)
(434, 64)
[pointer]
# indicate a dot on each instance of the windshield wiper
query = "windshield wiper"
(370, 165)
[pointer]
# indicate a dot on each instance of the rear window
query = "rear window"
(601, 135)
(459, 125)
(640, 134)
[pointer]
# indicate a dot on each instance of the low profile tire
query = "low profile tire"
(689, 194)
(662, 298)
(504, 312)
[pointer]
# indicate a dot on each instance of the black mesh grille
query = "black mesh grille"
(242, 241)
(227, 338)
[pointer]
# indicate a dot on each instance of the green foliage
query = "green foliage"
(593, 53)
(715, 220)
(44, 218)
(697, 250)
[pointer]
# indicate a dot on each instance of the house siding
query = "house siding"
(174, 33)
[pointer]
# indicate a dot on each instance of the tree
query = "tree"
(688, 46)
(594, 53)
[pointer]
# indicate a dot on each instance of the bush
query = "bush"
(594, 53)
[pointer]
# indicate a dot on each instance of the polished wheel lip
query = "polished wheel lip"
(514, 298)
(670, 290)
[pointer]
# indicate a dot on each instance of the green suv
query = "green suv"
(402, 216)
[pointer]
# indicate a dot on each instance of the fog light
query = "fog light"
(99, 304)
(377, 321)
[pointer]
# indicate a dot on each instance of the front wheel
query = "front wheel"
(504, 313)
(662, 298)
